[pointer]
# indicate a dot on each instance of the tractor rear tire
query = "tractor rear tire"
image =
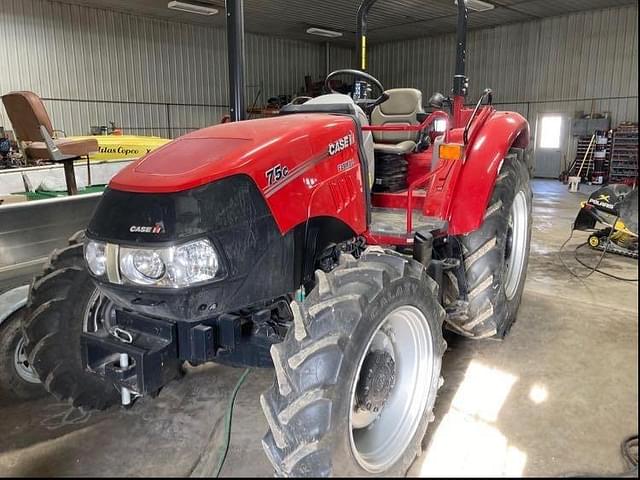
(333, 409)
(59, 305)
(496, 255)
(17, 379)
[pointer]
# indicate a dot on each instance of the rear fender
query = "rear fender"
(501, 132)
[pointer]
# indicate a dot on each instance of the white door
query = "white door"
(551, 145)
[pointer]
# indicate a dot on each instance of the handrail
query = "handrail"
(487, 91)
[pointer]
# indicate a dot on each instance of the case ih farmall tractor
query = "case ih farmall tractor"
(261, 243)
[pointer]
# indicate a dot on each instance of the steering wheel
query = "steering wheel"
(367, 104)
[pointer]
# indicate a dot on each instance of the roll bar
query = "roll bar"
(460, 81)
(361, 33)
(235, 40)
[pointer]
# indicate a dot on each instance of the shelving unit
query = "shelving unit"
(598, 158)
(624, 154)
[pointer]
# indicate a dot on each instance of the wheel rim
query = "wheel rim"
(378, 439)
(516, 244)
(22, 365)
(98, 313)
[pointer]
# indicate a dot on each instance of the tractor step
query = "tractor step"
(392, 222)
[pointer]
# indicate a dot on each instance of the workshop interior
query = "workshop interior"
(247, 238)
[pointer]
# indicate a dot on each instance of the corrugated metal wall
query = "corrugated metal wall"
(341, 57)
(149, 76)
(580, 62)
(153, 77)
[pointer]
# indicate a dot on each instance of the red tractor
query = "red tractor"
(261, 243)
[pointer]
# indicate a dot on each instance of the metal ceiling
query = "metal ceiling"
(389, 19)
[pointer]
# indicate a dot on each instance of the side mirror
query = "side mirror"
(437, 100)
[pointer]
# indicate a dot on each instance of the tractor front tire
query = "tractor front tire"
(60, 303)
(496, 256)
(17, 379)
(357, 374)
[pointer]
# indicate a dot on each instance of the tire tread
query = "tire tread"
(292, 445)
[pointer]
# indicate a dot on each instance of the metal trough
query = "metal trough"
(30, 231)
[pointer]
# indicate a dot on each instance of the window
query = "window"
(550, 131)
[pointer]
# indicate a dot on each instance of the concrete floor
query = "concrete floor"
(558, 396)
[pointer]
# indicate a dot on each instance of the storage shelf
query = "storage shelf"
(591, 162)
(624, 154)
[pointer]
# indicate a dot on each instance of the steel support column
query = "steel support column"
(235, 46)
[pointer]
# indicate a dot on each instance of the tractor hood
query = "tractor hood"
(249, 188)
(250, 147)
(292, 165)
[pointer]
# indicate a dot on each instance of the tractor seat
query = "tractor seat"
(402, 107)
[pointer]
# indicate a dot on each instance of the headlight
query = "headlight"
(142, 266)
(96, 257)
(177, 266)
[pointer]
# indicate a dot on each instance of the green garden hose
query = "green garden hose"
(224, 449)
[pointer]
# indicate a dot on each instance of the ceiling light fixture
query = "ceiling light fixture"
(323, 32)
(478, 5)
(196, 8)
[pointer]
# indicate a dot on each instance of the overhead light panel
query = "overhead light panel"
(188, 7)
(478, 5)
(323, 32)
